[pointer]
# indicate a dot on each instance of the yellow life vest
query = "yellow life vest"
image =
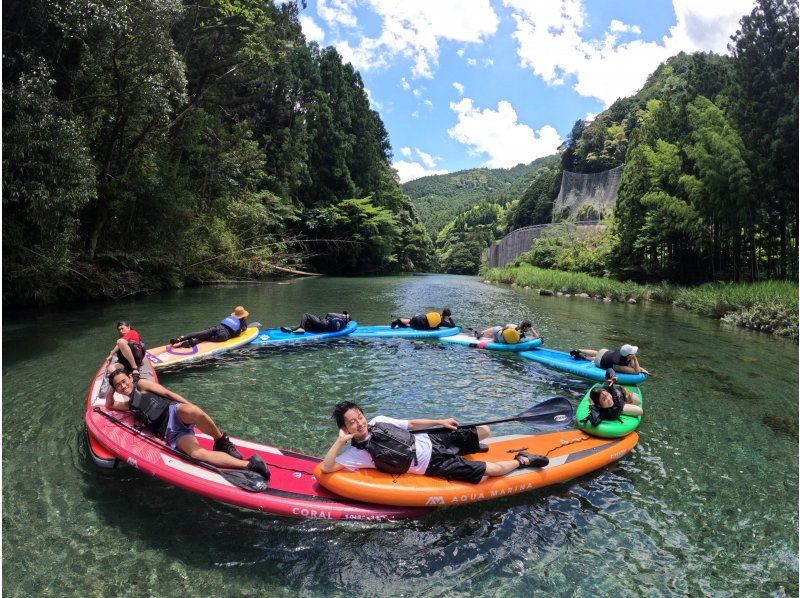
(511, 336)
(434, 319)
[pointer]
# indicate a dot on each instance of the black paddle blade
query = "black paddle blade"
(246, 480)
(556, 412)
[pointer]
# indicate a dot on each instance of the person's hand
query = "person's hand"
(344, 436)
(450, 423)
(644, 371)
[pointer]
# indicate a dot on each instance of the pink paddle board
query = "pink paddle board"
(293, 490)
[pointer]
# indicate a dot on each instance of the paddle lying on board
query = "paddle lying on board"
(241, 478)
(555, 412)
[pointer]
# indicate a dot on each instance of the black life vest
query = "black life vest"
(392, 448)
(151, 411)
(335, 323)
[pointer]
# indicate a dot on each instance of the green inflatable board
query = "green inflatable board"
(608, 429)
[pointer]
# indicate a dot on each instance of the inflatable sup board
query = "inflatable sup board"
(572, 453)
(292, 491)
(469, 340)
(580, 367)
(168, 356)
(275, 336)
(608, 429)
(389, 332)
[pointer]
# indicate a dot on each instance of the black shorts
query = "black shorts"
(446, 460)
(419, 323)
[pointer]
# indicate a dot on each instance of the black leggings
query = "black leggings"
(312, 323)
(215, 334)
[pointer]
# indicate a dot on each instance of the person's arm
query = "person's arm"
(423, 424)
(150, 386)
(631, 398)
(629, 409)
(115, 405)
(624, 369)
(329, 464)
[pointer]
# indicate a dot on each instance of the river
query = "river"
(707, 503)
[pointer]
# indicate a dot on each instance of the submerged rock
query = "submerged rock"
(545, 292)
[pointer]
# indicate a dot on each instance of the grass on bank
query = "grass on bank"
(770, 306)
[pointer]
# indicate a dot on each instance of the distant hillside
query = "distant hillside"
(440, 198)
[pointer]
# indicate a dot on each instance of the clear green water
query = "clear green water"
(706, 504)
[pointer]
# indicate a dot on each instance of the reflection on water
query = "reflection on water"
(706, 504)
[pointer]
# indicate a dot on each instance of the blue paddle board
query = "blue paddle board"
(469, 340)
(580, 367)
(275, 336)
(389, 332)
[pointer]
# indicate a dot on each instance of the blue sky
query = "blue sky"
(468, 83)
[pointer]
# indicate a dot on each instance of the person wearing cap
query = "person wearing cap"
(623, 361)
(331, 322)
(128, 348)
(230, 327)
(617, 391)
(509, 334)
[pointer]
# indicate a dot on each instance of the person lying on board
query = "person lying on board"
(172, 418)
(230, 327)
(619, 392)
(387, 444)
(128, 349)
(608, 406)
(624, 361)
(429, 321)
(509, 334)
(332, 322)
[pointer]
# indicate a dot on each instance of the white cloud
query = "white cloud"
(428, 103)
(406, 151)
(498, 134)
(337, 12)
(550, 42)
(372, 101)
(460, 51)
(415, 114)
(472, 61)
(404, 84)
(417, 93)
(412, 29)
(311, 30)
(459, 88)
(590, 116)
(427, 159)
(488, 62)
(408, 171)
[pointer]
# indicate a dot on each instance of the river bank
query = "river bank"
(770, 306)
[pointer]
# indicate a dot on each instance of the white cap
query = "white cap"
(628, 350)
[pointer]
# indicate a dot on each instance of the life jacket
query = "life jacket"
(335, 323)
(392, 448)
(509, 335)
(232, 323)
(434, 319)
(151, 411)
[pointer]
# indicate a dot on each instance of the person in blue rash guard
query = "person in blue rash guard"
(230, 327)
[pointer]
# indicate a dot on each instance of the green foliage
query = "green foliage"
(536, 204)
(440, 198)
(199, 141)
(561, 248)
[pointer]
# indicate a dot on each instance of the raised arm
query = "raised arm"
(423, 424)
(329, 464)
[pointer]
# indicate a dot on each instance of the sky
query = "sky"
(493, 83)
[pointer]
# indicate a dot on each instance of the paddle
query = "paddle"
(241, 478)
(554, 412)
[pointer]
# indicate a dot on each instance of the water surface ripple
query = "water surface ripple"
(705, 505)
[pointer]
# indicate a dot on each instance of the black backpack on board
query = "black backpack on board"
(391, 448)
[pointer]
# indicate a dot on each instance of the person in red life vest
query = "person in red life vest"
(332, 322)
(429, 321)
(129, 346)
(230, 327)
(172, 418)
(387, 444)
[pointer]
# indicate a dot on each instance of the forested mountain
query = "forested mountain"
(440, 198)
(709, 147)
(153, 143)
